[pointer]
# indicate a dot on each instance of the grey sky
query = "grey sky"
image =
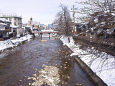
(43, 11)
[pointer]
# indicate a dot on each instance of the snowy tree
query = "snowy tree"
(92, 6)
(89, 7)
(64, 21)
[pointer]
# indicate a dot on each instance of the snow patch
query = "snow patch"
(48, 75)
(10, 43)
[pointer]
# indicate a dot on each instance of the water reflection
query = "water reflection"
(70, 72)
(66, 66)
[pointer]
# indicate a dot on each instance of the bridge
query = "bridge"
(45, 32)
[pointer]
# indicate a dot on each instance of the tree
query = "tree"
(63, 22)
(90, 7)
(31, 19)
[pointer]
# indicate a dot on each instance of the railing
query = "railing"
(42, 32)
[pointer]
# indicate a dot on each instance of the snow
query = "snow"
(110, 31)
(3, 24)
(113, 14)
(5, 45)
(101, 63)
(13, 26)
(10, 43)
(96, 20)
(47, 30)
(50, 30)
(48, 75)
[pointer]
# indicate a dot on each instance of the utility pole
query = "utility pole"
(73, 10)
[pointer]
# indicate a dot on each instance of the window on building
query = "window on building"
(6, 18)
(14, 18)
(15, 23)
(9, 19)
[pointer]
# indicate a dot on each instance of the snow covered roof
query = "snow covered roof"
(110, 31)
(4, 20)
(27, 26)
(10, 16)
(3, 24)
(14, 26)
(47, 30)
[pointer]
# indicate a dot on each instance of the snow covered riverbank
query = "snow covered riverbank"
(10, 43)
(101, 63)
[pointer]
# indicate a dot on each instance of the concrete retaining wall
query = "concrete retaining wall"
(97, 80)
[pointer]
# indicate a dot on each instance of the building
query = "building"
(16, 23)
(52, 26)
(34, 25)
(4, 29)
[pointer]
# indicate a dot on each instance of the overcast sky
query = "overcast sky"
(43, 11)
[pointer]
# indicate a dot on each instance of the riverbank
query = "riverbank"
(11, 43)
(101, 63)
(104, 45)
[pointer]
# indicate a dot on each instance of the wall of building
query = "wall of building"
(16, 23)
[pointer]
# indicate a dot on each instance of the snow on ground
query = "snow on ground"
(47, 75)
(47, 30)
(101, 63)
(10, 43)
(47, 35)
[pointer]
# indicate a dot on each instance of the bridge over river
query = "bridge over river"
(26, 61)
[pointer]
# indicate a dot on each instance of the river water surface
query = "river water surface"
(40, 58)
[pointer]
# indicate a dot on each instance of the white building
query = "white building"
(16, 23)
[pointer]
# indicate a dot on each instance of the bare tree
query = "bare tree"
(64, 21)
(92, 6)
